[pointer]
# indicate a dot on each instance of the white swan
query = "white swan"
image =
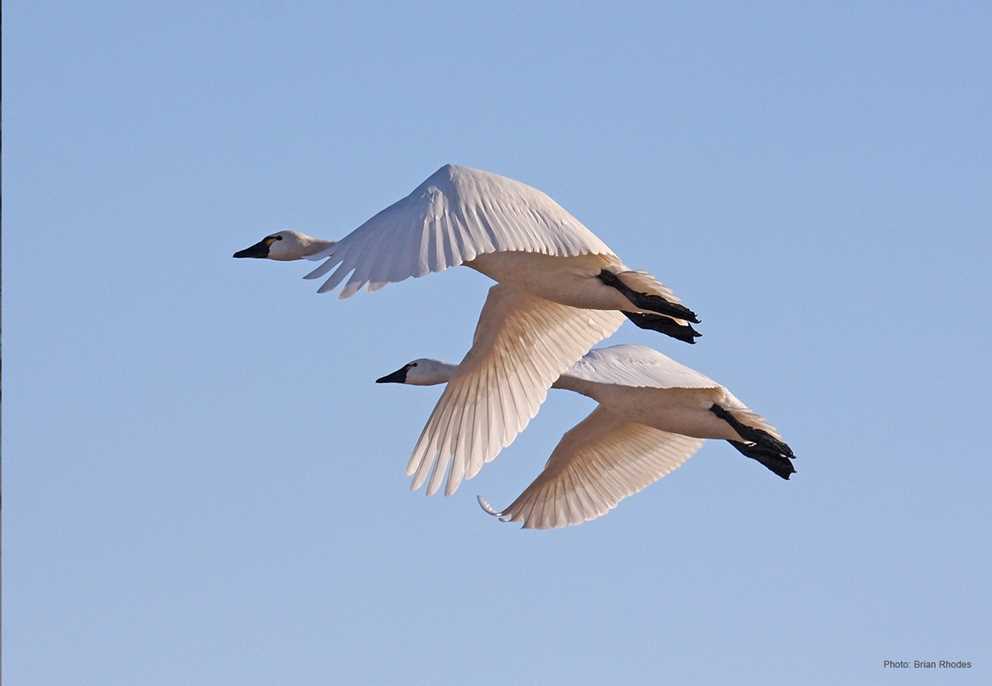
(653, 414)
(561, 290)
(511, 232)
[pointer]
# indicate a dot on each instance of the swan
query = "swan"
(652, 415)
(507, 230)
(560, 290)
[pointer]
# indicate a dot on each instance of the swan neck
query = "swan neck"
(316, 245)
(575, 384)
(430, 373)
(446, 371)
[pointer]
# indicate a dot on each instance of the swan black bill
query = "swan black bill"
(399, 376)
(259, 250)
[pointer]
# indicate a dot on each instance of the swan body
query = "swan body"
(571, 281)
(647, 387)
(652, 415)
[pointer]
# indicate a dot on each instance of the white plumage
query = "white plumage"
(601, 461)
(637, 366)
(522, 344)
(653, 415)
(505, 229)
(561, 291)
(455, 215)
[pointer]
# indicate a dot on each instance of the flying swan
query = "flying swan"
(653, 415)
(560, 291)
(507, 230)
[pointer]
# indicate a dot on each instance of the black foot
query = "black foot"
(665, 325)
(752, 434)
(780, 465)
(646, 301)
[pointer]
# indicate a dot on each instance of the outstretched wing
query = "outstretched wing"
(638, 366)
(522, 345)
(598, 463)
(455, 215)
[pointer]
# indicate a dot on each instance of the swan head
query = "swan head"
(421, 372)
(285, 246)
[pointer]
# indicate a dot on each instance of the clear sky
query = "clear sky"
(203, 485)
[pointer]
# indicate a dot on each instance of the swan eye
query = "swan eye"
(273, 238)
(413, 364)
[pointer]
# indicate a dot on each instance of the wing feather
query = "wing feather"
(521, 346)
(455, 215)
(638, 366)
(598, 463)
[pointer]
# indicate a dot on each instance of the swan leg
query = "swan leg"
(665, 325)
(648, 301)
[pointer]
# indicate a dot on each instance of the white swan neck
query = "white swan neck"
(425, 372)
(446, 371)
(575, 384)
(316, 245)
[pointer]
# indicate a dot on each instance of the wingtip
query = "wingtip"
(416, 482)
(315, 273)
(487, 508)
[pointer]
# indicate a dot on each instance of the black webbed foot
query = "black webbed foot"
(752, 434)
(665, 325)
(648, 301)
(758, 444)
(774, 461)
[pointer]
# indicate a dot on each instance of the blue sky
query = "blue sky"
(203, 485)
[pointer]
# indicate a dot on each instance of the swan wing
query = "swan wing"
(522, 345)
(638, 366)
(455, 215)
(598, 463)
